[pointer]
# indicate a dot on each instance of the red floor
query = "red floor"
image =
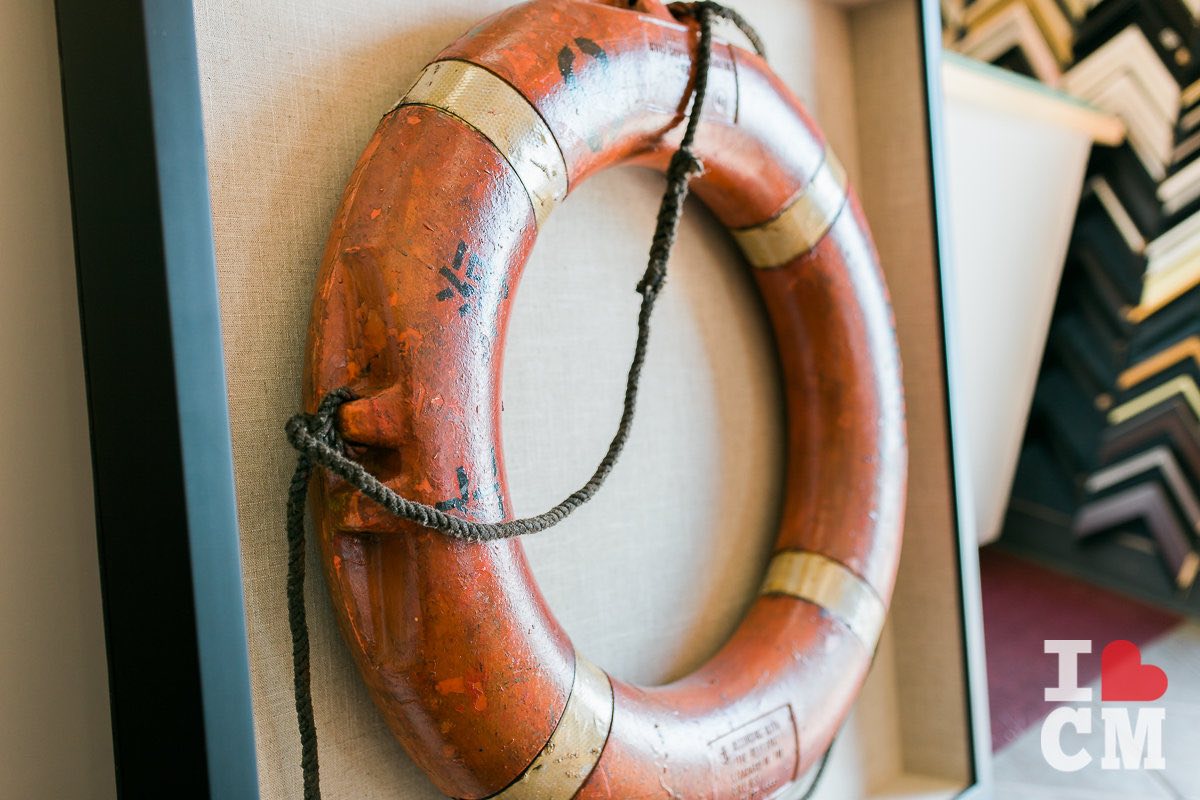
(1025, 604)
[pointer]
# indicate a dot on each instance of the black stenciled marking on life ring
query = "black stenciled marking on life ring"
(457, 503)
(566, 62)
(465, 287)
(589, 47)
(465, 495)
(566, 58)
(566, 68)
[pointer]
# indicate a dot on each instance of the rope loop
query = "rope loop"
(724, 12)
(306, 432)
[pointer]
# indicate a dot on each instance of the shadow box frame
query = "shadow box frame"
(175, 625)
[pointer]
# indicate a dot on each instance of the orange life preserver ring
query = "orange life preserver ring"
(460, 652)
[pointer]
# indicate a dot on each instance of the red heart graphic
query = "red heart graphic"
(1123, 676)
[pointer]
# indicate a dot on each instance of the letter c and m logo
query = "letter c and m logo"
(1131, 741)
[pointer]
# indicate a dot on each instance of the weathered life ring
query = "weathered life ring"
(458, 648)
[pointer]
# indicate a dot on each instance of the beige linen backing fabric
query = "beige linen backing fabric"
(653, 575)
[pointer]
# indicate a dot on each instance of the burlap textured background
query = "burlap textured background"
(650, 577)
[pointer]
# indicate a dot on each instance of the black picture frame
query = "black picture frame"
(966, 537)
(161, 449)
(162, 459)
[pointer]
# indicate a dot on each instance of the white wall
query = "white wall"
(55, 740)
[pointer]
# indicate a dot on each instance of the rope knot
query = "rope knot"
(306, 430)
(683, 167)
(686, 164)
(652, 282)
(650, 286)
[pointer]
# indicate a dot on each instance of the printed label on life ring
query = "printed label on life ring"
(757, 759)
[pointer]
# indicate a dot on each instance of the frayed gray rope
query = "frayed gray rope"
(301, 678)
(316, 438)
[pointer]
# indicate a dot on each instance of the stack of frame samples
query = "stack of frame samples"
(1108, 485)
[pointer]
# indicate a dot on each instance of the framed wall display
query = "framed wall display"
(209, 145)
